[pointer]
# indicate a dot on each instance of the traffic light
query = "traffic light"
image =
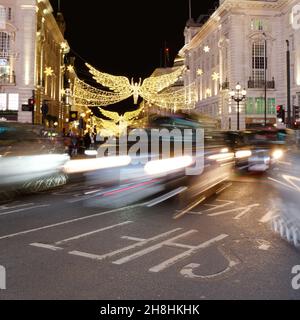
(73, 116)
(296, 112)
(31, 104)
(281, 113)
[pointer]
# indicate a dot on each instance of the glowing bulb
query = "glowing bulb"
(215, 76)
(199, 72)
(49, 71)
(70, 68)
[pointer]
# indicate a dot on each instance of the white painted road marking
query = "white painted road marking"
(214, 207)
(292, 186)
(66, 222)
(24, 209)
(245, 210)
(56, 248)
(141, 242)
(168, 263)
(92, 232)
(5, 207)
(46, 246)
(188, 271)
(153, 248)
(188, 209)
(263, 245)
(268, 217)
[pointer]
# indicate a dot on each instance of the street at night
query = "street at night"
(149, 157)
(55, 247)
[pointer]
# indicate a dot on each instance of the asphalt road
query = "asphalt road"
(229, 247)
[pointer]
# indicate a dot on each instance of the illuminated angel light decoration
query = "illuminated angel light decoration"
(118, 124)
(156, 90)
(121, 88)
(88, 96)
(152, 85)
(184, 98)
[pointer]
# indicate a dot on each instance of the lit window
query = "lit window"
(250, 106)
(3, 104)
(13, 101)
(271, 106)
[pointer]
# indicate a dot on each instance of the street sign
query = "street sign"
(27, 108)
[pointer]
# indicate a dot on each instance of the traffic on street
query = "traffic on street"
(109, 230)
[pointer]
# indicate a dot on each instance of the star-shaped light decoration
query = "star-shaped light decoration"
(215, 76)
(49, 71)
(70, 68)
(206, 49)
(199, 72)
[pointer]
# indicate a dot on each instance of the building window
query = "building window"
(259, 107)
(5, 14)
(259, 25)
(2, 17)
(9, 102)
(250, 106)
(259, 62)
(3, 104)
(4, 44)
(9, 14)
(271, 106)
(4, 57)
(13, 101)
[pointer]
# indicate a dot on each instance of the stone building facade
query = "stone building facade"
(244, 41)
(32, 52)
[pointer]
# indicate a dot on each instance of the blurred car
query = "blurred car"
(163, 176)
(29, 159)
(257, 150)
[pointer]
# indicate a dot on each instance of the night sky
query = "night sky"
(127, 37)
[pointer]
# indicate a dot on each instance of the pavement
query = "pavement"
(241, 243)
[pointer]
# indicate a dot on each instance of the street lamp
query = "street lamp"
(238, 95)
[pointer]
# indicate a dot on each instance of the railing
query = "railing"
(260, 84)
(8, 79)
